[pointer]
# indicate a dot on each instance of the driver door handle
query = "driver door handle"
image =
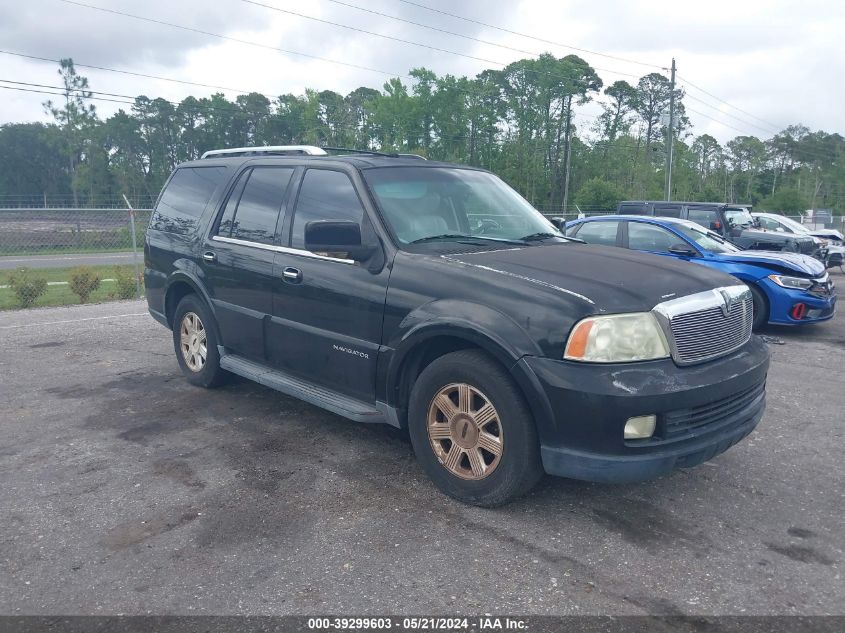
(292, 275)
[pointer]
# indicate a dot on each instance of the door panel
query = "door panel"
(240, 283)
(327, 319)
(327, 327)
(238, 259)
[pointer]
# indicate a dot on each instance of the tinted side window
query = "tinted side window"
(184, 199)
(325, 195)
(647, 237)
(599, 232)
(667, 210)
(704, 217)
(260, 203)
(227, 218)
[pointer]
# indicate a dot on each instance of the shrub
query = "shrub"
(599, 194)
(84, 281)
(124, 279)
(27, 286)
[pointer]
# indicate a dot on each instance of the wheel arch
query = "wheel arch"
(426, 343)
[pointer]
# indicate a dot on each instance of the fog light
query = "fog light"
(640, 427)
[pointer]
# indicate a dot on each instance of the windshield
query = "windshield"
(706, 240)
(443, 203)
(792, 224)
(739, 217)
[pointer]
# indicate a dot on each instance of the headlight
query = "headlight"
(793, 283)
(617, 338)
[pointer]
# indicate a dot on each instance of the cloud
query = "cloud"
(774, 59)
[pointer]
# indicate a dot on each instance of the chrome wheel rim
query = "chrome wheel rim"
(193, 342)
(465, 432)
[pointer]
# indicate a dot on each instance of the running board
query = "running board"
(301, 389)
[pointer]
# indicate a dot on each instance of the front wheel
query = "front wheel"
(472, 431)
(760, 307)
(195, 342)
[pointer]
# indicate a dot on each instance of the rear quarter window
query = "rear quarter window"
(184, 199)
(632, 209)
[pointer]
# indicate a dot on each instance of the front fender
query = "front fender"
(484, 327)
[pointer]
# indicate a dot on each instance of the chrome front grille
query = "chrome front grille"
(708, 324)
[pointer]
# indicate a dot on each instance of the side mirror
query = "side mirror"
(683, 250)
(715, 225)
(337, 236)
(780, 229)
(560, 223)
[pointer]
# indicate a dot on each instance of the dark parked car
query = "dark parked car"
(433, 297)
(733, 222)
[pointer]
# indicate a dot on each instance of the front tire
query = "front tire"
(195, 342)
(760, 307)
(472, 430)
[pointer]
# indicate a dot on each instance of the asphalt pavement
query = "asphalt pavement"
(126, 490)
(68, 260)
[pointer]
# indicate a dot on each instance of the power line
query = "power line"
(532, 37)
(574, 78)
(728, 114)
(505, 30)
(456, 34)
(249, 43)
(709, 94)
(129, 72)
(230, 39)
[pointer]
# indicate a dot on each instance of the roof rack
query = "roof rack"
(360, 151)
(277, 150)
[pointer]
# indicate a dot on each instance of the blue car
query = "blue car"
(787, 288)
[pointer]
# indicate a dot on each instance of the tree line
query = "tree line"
(521, 122)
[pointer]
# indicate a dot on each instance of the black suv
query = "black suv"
(432, 297)
(733, 222)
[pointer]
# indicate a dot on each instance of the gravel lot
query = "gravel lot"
(125, 490)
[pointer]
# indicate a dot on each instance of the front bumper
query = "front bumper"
(701, 411)
(818, 307)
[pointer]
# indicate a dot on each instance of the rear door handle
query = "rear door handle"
(209, 256)
(292, 275)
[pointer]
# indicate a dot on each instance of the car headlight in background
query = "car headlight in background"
(617, 338)
(793, 283)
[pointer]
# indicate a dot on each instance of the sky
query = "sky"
(749, 67)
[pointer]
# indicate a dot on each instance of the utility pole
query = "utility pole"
(670, 134)
(568, 154)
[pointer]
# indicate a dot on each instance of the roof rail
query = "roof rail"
(283, 150)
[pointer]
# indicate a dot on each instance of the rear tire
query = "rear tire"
(195, 343)
(472, 431)
(760, 307)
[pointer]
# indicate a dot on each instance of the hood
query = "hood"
(793, 262)
(608, 278)
(775, 236)
(828, 234)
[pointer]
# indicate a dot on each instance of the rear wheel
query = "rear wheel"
(195, 342)
(472, 431)
(760, 307)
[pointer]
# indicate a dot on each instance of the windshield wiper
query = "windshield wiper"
(459, 236)
(536, 237)
(444, 236)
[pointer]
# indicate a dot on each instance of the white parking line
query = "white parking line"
(115, 316)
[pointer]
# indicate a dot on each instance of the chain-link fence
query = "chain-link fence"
(40, 231)
(68, 201)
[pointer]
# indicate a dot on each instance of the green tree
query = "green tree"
(598, 194)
